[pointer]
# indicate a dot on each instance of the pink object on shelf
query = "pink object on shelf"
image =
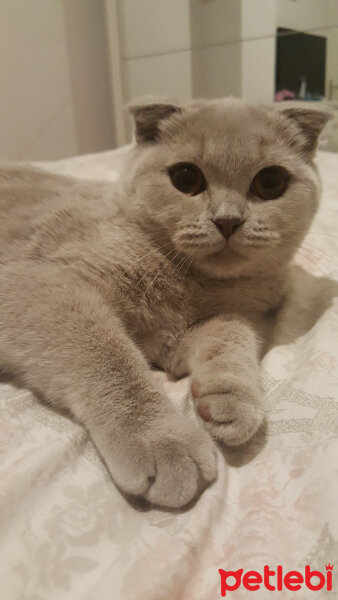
(284, 95)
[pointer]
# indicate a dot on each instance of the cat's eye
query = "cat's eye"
(270, 183)
(187, 178)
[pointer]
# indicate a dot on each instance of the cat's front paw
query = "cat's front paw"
(169, 465)
(231, 409)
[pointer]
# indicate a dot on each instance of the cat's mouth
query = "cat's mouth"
(228, 247)
(229, 252)
(224, 250)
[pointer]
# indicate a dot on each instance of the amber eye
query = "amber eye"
(187, 178)
(270, 183)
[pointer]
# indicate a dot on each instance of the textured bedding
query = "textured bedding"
(67, 534)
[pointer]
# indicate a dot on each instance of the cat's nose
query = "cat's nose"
(228, 225)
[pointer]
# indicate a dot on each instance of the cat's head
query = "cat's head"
(232, 186)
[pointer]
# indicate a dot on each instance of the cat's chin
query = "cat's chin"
(220, 270)
(224, 263)
(229, 252)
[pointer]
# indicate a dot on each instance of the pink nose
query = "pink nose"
(228, 225)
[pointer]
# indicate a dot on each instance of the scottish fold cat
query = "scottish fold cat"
(181, 264)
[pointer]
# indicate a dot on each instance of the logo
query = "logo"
(275, 580)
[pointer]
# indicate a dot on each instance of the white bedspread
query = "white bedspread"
(67, 534)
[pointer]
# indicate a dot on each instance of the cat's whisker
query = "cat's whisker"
(132, 262)
(313, 232)
(185, 261)
(313, 263)
(190, 257)
(166, 265)
(152, 251)
(176, 268)
(160, 270)
(319, 253)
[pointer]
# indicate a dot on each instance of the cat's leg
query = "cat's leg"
(61, 339)
(222, 356)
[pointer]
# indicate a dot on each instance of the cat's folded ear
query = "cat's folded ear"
(310, 123)
(148, 117)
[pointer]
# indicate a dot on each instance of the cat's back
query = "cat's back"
(23, 188)
(40, 209)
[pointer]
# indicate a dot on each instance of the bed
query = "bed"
(66, 533)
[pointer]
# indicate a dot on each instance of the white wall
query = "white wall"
(304, 14)
(216, 56)
(180, 48)
(258, 50)
(332, 48)
(195, 48)
(332, 62)
(231, 60)
(54, 97)
(155, 43)
(155, 47)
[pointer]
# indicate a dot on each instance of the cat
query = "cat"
(181, 264)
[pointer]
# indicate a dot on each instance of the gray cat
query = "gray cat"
(181, 264)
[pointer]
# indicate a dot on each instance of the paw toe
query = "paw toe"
(231, 420)
(176, 482)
